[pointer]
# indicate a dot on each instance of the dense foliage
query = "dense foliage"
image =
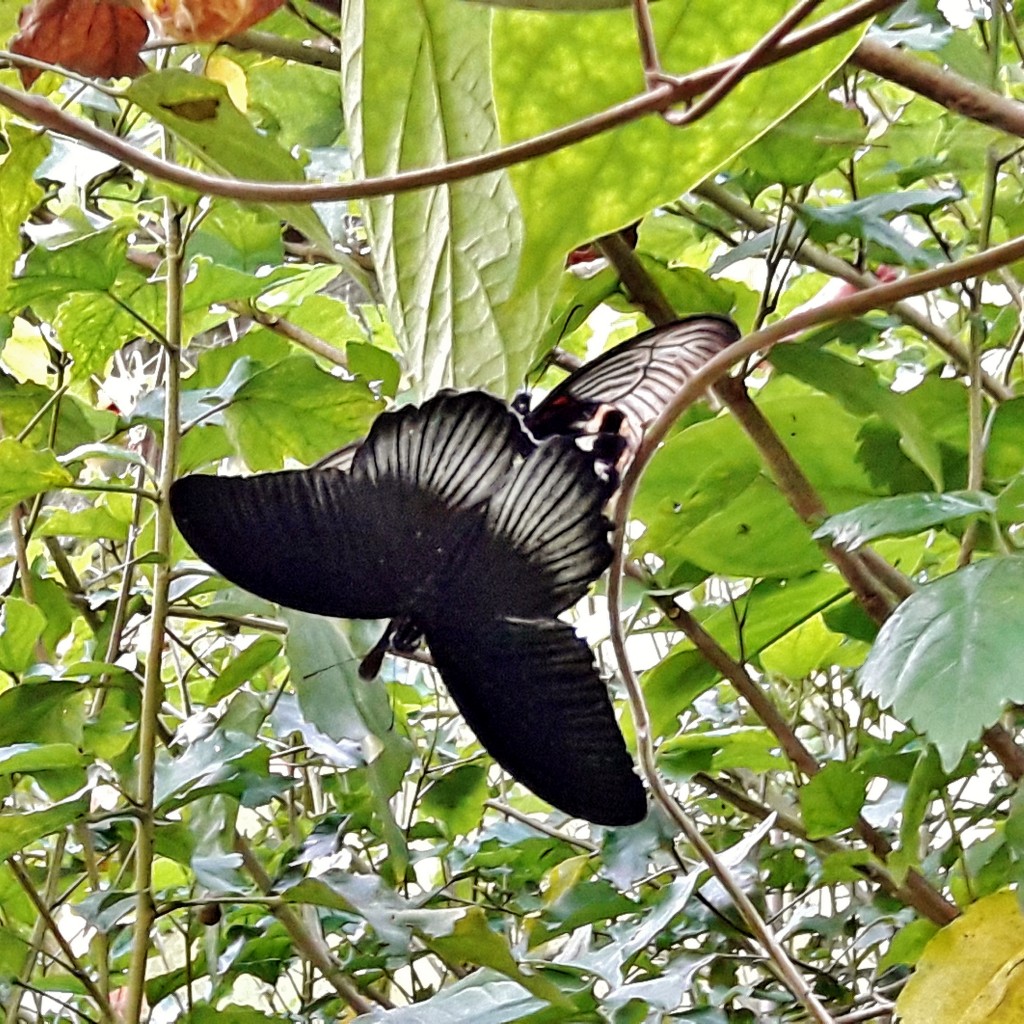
(206, 812)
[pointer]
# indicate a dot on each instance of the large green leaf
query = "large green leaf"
(417, 91)
(949, 658)
(19, 192)
(25, 472)
(707, 500)
(551, 69)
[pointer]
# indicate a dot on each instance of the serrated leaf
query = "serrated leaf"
(902, 514)
(200, 112)
(970, 971)
(832, 799)
(946, 659)
(418, 93)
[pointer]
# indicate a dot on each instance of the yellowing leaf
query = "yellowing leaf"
(970, 973)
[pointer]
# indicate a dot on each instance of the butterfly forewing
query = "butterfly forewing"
(530, 691)
(638, 378)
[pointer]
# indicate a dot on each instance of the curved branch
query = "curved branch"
(654, 101)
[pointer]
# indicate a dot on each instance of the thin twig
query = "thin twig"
(54, 929)
(153, 689)
(310, 944)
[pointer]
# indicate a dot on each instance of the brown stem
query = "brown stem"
(939, 83)
(916, 890)
(309, 944)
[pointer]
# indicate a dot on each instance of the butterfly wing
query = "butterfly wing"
(373, 543)
(637, 378)
(546, 536)
(530, 691)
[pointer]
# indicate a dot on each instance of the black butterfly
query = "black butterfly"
(458, 524)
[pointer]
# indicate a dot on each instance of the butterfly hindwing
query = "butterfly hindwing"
(530, 691)
(456, 446)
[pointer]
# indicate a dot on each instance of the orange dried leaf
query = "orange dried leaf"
(209, 21)
(98, 38)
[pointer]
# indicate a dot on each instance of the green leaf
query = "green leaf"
(706, 499)
(243, 667)
(832, 799)
(417, 93)
(470, 940)
(813, 139)
(47, 712)
(946, 659)
(296, 410)
(584, 903)
(374, 364)
(21, 625)
(25, 472)
(621, 174)
(861, 392)
(867, 220)
(28, 758)
(200, 112)
(485, 997)
(456, 798)
(719, 750)
(346, 707)
(89, 263)
(20, 829)
(19, 194)
(91, 523)
(902, 514)
(222, 762)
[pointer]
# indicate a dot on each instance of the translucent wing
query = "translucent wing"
(530, 692)
(637, 378)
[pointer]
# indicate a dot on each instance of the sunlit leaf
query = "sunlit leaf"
(418, 94)
(948, 647)
(969, 971)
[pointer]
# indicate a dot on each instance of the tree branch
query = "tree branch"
(653, 101)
